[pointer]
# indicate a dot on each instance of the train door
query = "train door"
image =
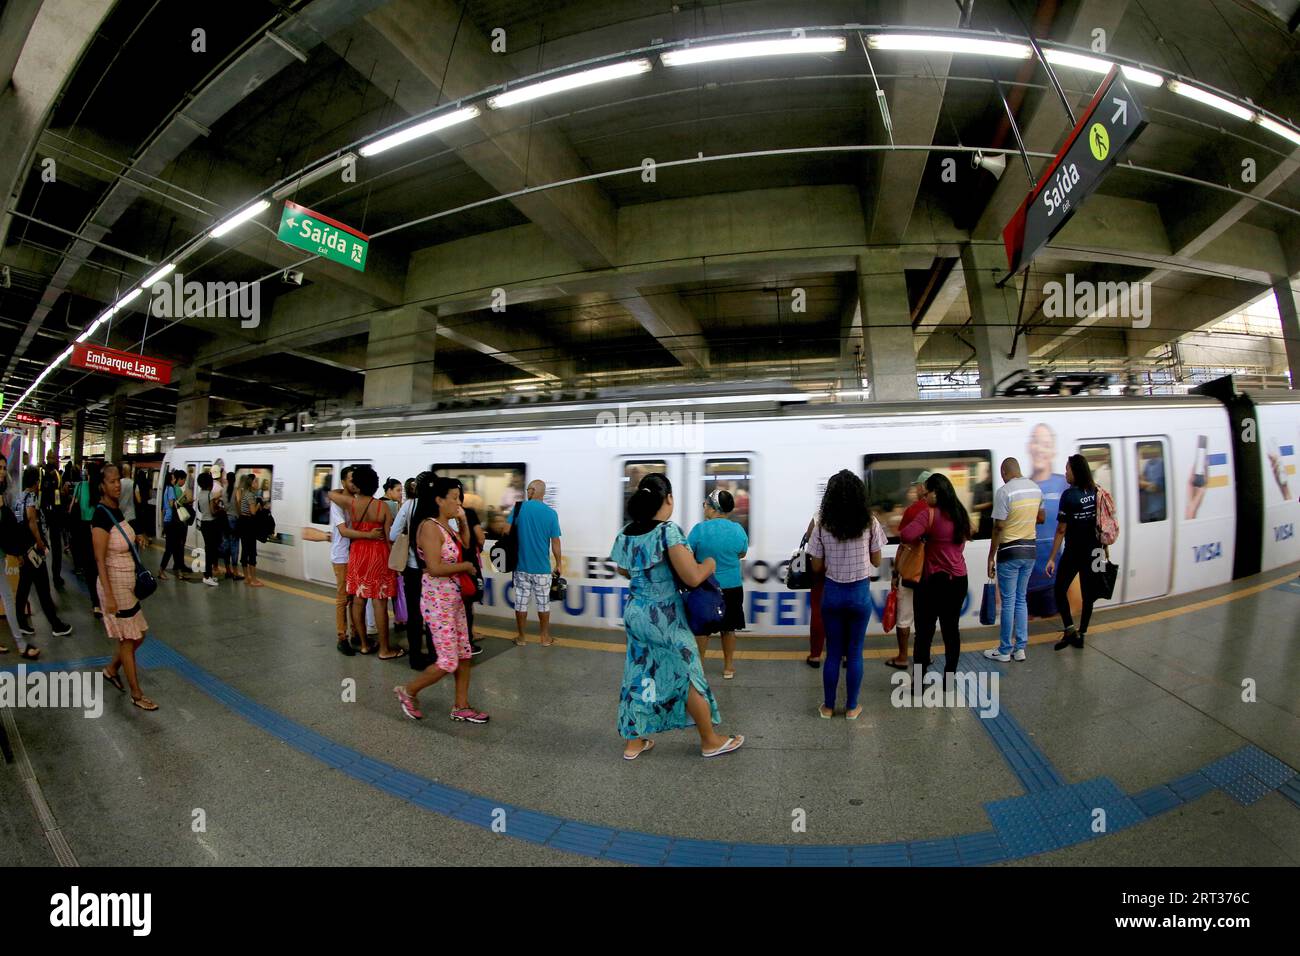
(731, 472)
(324, 476)
(1148, 522)
(193, 534)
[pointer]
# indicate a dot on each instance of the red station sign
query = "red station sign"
(97, 358)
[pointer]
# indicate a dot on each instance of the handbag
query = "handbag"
(989, 605)
(799, 574)
(400, 552)
(145, 584)
(890, 616)
(467, 582)
(559, 586)
(911, 564)
(1106, 580)
(705, 606)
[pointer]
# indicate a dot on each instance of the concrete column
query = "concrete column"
(399, 359)
(993, 314)
(1289, 310)
(115, 437)
(890, 358)
(192, 405)
(78, 435)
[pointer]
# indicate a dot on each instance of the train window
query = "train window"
(633, 472)
(730, 474)
(491, 490)
(891, 478)
(1151, 482)
(263, 481)
(322, 481)
(1098, 458)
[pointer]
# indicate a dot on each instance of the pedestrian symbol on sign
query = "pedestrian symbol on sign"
(1099, 140)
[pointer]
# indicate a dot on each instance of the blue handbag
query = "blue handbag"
(988, 604)
(705, 605)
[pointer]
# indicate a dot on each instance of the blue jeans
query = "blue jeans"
(1013, 585)
(846, 611)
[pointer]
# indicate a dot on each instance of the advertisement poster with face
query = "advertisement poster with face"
(1042, 462)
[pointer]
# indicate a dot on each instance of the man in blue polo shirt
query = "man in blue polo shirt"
(538, 528)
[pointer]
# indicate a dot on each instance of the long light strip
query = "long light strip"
(239, 218)
(734, 51)
(938, 43)
(316, 174)
(1093, 64)
(126, 300)
(573, 81)
(420, 129)
(158, 276)
(1210, 99)
(1286, 132)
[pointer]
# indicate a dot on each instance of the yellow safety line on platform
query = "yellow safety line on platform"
(882, 653)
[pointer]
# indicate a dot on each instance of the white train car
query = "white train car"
(1181, 469)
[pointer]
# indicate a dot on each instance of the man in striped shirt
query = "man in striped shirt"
(1013, 549)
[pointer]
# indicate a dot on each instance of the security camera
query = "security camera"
(291, 277)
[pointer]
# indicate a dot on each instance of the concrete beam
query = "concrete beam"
(1288, 307)
(662, 314)
(581, 218)
(993, 315)
(1177, 311)
(887, 328)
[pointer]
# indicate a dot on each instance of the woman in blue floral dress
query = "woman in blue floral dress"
(663, 680)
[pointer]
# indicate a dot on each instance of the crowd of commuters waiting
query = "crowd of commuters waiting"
(420, 548)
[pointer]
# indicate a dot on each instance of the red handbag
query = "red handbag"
(890, 617)
(468, 586)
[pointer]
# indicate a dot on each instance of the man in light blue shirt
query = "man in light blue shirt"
(538, 528)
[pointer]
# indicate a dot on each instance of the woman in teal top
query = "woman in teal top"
(663, 682)
(725, 541)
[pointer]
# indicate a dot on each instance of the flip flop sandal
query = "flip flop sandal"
(733, 743)
(646, 745)
(825, 716)
(3, 649)
(890, 662)
(144, 703)
(728, 675)
(115, 680)
(401, 652)
(29, 655)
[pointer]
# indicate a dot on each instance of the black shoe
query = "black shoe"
(58, 583)
(345, 649)
(61, 628)
(475, 648)
(1068, 638)
(25, 627)
(1078, 641)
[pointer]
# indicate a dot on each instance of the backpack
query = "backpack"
(15, 536)
(1107, 523)
(505, 556)
(263, 524)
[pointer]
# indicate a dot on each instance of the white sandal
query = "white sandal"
(646, 744)
(733, 743)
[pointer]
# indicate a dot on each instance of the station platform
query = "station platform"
(255, 742)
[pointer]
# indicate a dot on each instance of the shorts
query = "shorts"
(906, 617)
(538, 586)
(734, 617)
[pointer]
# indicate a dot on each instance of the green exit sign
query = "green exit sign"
(323, 236)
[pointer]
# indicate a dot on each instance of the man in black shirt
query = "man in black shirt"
(50, 511)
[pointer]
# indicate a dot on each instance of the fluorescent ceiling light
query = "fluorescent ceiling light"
(239, 218)
(334, 166)
(420, 129)
(1093, 64)
(159, 275)
(734, 51)
(939, 43)
(1273, 126)
(601, 74)
(1210, 99)
(126, 300)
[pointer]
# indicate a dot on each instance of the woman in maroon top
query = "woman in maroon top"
(945, 527)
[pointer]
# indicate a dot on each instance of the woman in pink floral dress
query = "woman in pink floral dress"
(113, 538)
(441, 552)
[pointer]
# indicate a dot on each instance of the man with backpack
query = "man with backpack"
(1086, 523)
(32, 573)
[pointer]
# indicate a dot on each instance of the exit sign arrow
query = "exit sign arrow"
(1121, 110)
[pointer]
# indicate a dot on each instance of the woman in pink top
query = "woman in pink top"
(945, 527)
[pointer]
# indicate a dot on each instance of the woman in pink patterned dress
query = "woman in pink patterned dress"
(441, 552)
(112, 537)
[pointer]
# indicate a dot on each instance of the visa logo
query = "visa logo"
(1208, 552)
(1284, 531)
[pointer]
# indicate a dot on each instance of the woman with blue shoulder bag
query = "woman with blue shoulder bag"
(663, 680)
(725, 541)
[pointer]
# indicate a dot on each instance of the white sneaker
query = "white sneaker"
(993, 655)
(211, 582)
(1019, 655)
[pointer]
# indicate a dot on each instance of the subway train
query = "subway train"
(1206, 485)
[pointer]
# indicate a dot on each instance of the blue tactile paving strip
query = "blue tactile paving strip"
(1050, 815)
(1291, 587)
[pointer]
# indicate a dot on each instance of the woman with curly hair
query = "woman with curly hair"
(845, 545)
(945, 527)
